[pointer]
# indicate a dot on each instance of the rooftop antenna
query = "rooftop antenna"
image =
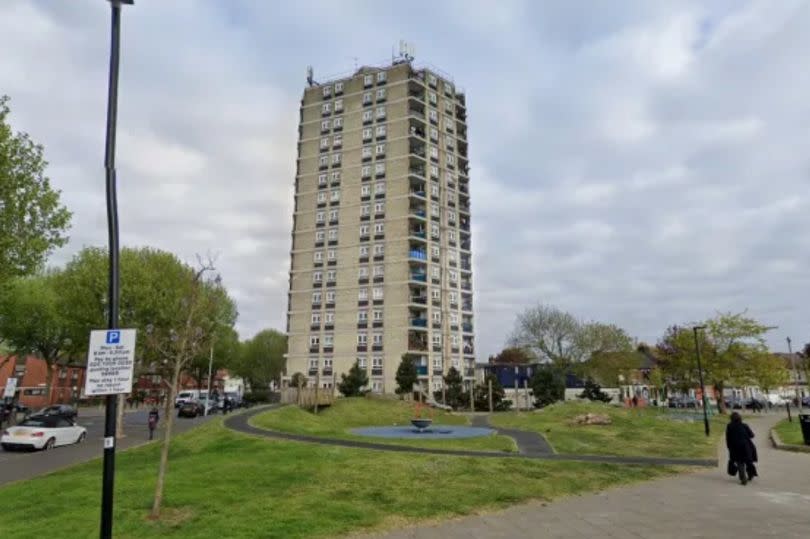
(310, 80)
(405, 52)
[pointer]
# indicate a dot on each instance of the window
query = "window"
(364, 250)
(317, 276)
(435, 272)
(314, 340)
(434, 172)
(379, 228)
(362, 271)
(329, 316)
(453, 297)
(381, 131)
(432, 80)
(364, 209)
(380, 113)
(454, 340)
(453, 274)
(437, 316)
(331, 276)
(379, 207)
(336, 158)
(448, 142)
(328, 342)
(337, 141)
(325, 124)
(326, 108)
(451, 159)
(380, 149)
(362, 339)
(321, 197)
(361, 362)
(451, 235)
(434, 190)
(367, 98)
(331, 254)
(377, 293)
(379, 271)
(381, 76)
(317, 256)
(367, 116)
(433, 151)
(433, 115)
(366, 134)
(376, 362)
(335, 176)
(316, 298)
(321, 180)
(379, 169)
(362, 316)
(333, 234)
(451, 216)
(327, 91)
(335, 195)
(434, 251)
(330, 298)
(366, 152)
(365, 172)
(324, 142)
(327, 361)
(434, 230)
(437, 339)
(319, 235)
(338, 87)
(313, 363)
(381, 93)
(368, 80)
(364, 230)
(379, 188)
(377, 339)
(323, 161)
(454, 319)
(448, 125)
(378, 315)
(333, 215)
(379, 249)
(337, 123)
(448, 89)
(434, 134)
(432, 98)
(448, 106)
(362, 294)
(338, 105)
(319, 217)
(451, 255)
(434, 210)
(365, 190)
(449, 177)
(435, 293)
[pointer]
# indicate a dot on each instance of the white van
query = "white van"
(185, 396)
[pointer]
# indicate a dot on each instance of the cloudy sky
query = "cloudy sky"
(636, 162)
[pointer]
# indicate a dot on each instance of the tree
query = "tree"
(548, 385)
(768, 371)
(454, 388)
(499, 402)
(262, 361)
(407, 375)
(593, 392)
(355, 382)
(511, 356)
(31, 322)
(33, 222)
(657, 382)
(298, 379)
(607, 368)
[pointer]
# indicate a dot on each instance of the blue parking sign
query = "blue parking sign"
(113, 337)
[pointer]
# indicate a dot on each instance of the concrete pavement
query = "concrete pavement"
(698, 504)
(17, 466)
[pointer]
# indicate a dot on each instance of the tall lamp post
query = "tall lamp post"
(795, 374)
(700, 376)
(108, 477)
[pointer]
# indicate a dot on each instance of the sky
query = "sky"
(633, 162)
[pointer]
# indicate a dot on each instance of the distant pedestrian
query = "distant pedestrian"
(226, 405)
(154, 418)
(635, 401)
(741, 449)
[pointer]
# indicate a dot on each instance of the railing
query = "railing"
(419, 322)
(466, 286)
(419, 213)
(421, 370)
(418, 234)
(418, 346)
(467, 327)
(420, 300)
(420, 255)
(418, 193)
(421, 277)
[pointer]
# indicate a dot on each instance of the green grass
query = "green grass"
(226, 484)
(345, 414)
(634, 431)
(790, 433)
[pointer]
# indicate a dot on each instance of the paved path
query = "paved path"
(17, 465)
(706, 504)
(529, 443)
(241, 423)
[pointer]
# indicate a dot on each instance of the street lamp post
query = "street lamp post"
(700, 376)
(795, 375)
(108, 476)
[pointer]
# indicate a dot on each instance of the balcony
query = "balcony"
(416, 90)
(418, 233)
(417, 342)
(313, 371)
(417, 254)
(469, 373)
(419, 276)
(419, 300)
(417, 148)
(416, 108)
(416, 129)
(466, 286)
(376, 371)
(467, 327)
(314, 349)
(467, 307)
(422, 370)
(419, 322)
(327, 371)
(468, 349)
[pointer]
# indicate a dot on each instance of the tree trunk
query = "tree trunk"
(164, 450)
(119, 417)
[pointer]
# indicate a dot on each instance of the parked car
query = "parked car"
(683, 401)
(184, 396)
(191, 408)
(209, 406)
(776, 400)
(43, 432)
(761, 403)
(63, 410)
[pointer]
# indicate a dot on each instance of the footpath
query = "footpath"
(706, 504)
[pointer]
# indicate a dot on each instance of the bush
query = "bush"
(354, 384)
(548, 386)
(593, 392)
(259, 396)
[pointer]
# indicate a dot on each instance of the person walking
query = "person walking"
(741, 449)
(154, 418)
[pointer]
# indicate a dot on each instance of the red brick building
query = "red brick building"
(67, 381)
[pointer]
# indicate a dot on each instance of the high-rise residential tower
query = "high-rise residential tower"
(381, 260)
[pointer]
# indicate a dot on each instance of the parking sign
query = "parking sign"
(110, 362)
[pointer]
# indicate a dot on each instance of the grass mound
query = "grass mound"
(790, 433)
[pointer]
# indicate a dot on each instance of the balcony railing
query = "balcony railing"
(421, 370)
(419, 346)
(421, 277)
(419, 322)
(418, 234)
(421, 300)
(419, 255)
(468, 328)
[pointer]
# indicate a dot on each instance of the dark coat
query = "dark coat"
(739, 443)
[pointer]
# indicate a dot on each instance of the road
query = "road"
(17, 465)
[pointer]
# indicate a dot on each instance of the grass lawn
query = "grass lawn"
(790, 433)
(634, 432)
(226, 484)
(345, 414)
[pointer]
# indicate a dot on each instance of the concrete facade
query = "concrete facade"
(381, 260)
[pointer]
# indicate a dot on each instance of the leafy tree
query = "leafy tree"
(355, 382)
(454, 389)
(657, 382)
(31, 322)
(548, 385)
(262, 361)
(499, 401)
(511, 356)
(407, 375)
(298, 379)
(33, 221)
(607, 368)
(768, 371)
(593, 392)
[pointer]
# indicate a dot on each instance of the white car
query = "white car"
(43, 432)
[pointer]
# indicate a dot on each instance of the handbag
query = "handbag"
(732, 468)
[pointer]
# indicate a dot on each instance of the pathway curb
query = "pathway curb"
(777, 443)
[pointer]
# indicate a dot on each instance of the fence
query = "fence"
(307, 397)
